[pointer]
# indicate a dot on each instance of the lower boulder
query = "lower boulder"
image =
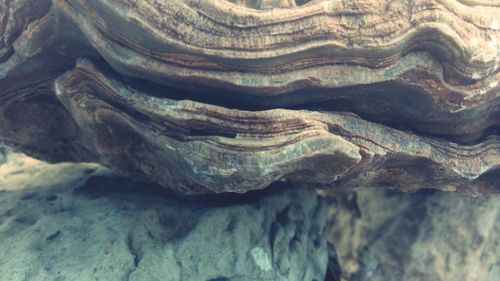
(381, 235)
(81, 222)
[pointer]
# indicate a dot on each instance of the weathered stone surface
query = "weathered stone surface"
(383, 235)
(80, 222)
(217, 96)
(3, 154)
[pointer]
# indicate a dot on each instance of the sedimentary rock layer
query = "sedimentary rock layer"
(359, 32)
(215, 96)
(199, 147)
(432, 65)
(27, 28)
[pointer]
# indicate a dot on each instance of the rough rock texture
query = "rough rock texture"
(216, 96)
(80, 222)
(383, 235)
(3, 154)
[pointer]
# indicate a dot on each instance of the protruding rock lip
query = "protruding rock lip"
(198, 148)
(209, 146)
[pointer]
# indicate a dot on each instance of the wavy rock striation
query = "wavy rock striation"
(196, 146)
(230, 96)
(432, 65)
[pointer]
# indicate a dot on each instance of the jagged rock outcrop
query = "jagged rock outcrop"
(217, 96)
(80, 222)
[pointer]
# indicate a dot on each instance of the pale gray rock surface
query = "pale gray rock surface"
(80, 222)
(387, 236)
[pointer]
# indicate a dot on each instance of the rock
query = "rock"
(237, 151)
(230, 96)
(383, 235)
(392, 61)
(3, 154)
(81, 222)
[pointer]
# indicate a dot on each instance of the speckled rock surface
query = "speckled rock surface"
(440, 236)
(81, 222)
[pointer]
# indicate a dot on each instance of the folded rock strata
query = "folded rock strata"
(80, 222)
(216, 96)
(432, 65)
(204, 147)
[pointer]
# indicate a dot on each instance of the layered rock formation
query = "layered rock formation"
(230, 96)
(80, 222)
(389, 236)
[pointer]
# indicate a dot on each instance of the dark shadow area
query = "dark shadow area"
(98, 186)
